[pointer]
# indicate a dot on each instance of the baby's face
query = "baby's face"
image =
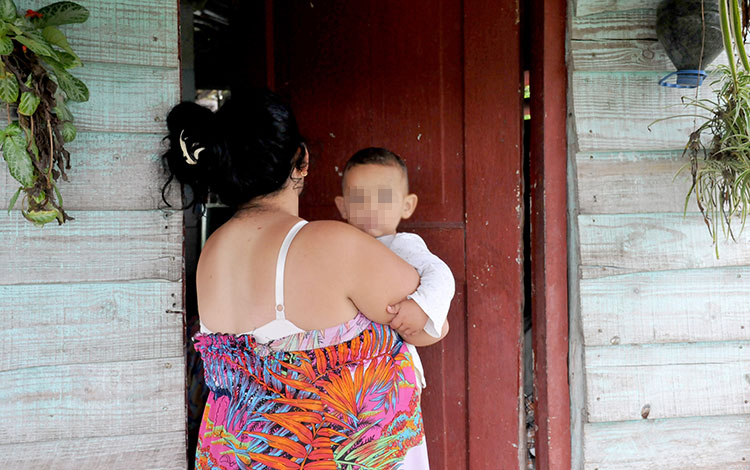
(375, 198)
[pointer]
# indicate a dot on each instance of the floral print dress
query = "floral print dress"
(340, 398)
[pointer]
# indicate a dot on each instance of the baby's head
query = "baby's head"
(376, 192)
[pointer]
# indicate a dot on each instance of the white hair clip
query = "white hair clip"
(190, 159)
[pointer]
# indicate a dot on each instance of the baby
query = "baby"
(376, 198)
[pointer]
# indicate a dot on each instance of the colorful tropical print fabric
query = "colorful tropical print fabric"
(351, 405)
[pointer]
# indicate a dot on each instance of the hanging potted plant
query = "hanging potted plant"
(719, 163)
(690, 32)
(35, 86)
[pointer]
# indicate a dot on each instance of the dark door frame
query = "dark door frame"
(493, 118)
(549, 246)
(494, 237)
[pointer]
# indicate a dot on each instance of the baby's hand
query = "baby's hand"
(409, 317)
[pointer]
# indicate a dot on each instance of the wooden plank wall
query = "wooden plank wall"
(91, 343)
(664, 325)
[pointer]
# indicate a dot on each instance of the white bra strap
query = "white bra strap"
(280, 263)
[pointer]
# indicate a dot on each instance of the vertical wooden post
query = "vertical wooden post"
(494, 229)
(549, 234)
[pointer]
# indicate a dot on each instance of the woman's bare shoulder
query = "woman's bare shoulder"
(332, 226)
(216, 244)
(332, 232)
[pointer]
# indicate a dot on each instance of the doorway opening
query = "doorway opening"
(211, 69)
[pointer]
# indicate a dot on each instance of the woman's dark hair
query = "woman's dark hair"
(248, 148)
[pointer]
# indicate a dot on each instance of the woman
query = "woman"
(302, 368)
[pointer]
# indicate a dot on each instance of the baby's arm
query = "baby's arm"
(437, 285)
(409, 318)
(421, 338)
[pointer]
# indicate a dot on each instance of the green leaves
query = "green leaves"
(15, 154)
(24, 39)
(36, 43)
(39, 218)
(8, 88)
(68, 61)
(29, 100)
(62, 111)
(28, 104)
(68, 131)
(6, 45)
(66, 57)
(62, 13)
(14, 199)
(56, 37)
(75, 89)
(8, 10)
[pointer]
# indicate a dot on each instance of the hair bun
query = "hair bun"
(245, 150)
(190, 138)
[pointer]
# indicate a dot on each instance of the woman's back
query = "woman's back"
(332, 270)
(237, 274)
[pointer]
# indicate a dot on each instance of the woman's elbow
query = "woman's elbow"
(445, 330)
(423, 339)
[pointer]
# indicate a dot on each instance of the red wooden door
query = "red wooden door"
(438, 82)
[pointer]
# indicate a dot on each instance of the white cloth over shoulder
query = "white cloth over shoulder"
(435, 291)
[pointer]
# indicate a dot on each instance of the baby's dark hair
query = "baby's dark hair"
(248, 148)
(376, 156)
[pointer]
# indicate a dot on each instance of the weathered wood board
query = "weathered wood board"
(709, 443)
(664, 323)
(91, 345)
(612, 244)
(615, 110)
(633, 182)
(636, 24)
(129, 321)
(148, 36)
(156, 450)
(691, 305)
(672, 380)
(108, 172)
(97, 246)
(626, 55)
(618, 56)
(126, 98)
(591, 7)
(93, 399)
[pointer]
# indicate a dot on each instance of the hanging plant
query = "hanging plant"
(720, 165)
(35, 86)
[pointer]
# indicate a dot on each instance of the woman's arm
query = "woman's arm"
(372, 276)
(437, 285)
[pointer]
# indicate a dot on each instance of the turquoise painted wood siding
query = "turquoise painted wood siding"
(660, 328)
(91, 348)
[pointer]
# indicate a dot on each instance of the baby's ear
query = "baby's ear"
(339, 200)
(410, 204)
